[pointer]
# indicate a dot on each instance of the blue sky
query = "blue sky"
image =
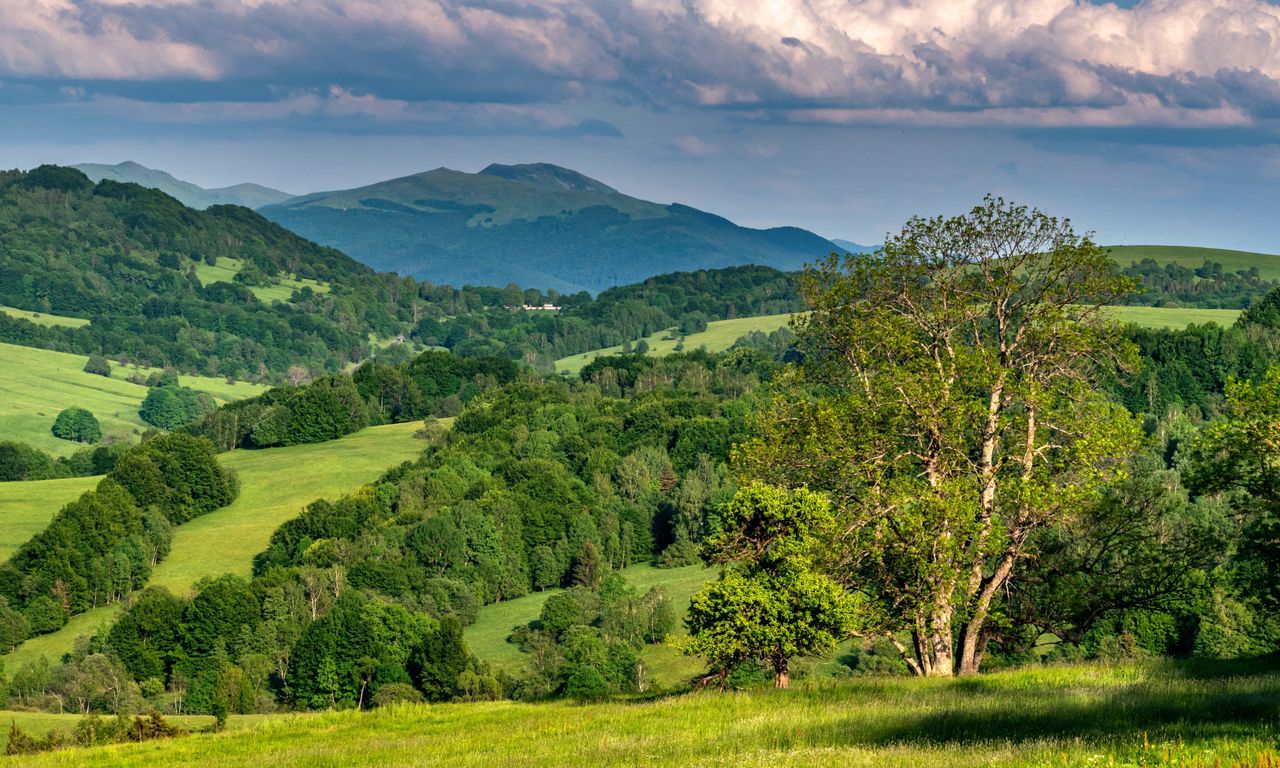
(1154, 121)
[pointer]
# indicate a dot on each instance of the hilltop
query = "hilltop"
(191, 195)
(536, 225)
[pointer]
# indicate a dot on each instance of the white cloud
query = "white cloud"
(971, 62)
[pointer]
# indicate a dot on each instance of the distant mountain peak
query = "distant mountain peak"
(248, 195)
(552, 178)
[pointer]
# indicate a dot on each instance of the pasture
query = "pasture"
(36, 384)
(1189, 256)
(225, 271)
(487, 637)
(1131, 714)
(44, 318)
(1172, 317)
(719, 336)
(27, 507)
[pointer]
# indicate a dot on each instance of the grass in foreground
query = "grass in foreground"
(275, 484)
(487, 637)
(35, 384)
(1159, 713)
(719, 336)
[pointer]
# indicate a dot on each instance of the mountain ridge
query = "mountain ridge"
(191, 195)
(535, 225)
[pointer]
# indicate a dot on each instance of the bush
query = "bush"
(98, 364)
(77, 424)
(587, 684)
(396, 693)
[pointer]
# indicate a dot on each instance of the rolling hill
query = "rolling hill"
(535, 225)
(223, 541)
(1189, 256)
(191, 195)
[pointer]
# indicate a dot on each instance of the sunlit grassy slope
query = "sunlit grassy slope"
(1155, 714)
(26, 508)
(43, 318)
(487, 637)
(35, 384)
(276, 484)
(1188, 256)
(226, 269)
(718, 337)
(1173, 317)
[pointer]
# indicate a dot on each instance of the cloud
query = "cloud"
(1025, 63)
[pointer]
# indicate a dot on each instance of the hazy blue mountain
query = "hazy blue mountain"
(190, 195)
(851, 247)
(536, 225)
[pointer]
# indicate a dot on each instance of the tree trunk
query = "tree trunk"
(781, 673)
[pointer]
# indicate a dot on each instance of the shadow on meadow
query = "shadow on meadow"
(1183, 701)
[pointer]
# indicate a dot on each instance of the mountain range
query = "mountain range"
(190, 195)
(535, 225)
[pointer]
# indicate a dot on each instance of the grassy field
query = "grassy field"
(275, 484)
(718, 337)
(41, 723)
(226, 269)
(1268, 264)
(1173, 317)
(487, 637)
(225, 541)
(35, 384)
(42, 318)
(1142, 714)
(25, 508)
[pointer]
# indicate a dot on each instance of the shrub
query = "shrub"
(98, 364)
(77, 424)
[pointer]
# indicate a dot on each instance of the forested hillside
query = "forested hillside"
(150, 275)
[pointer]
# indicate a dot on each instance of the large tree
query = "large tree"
(948, 402)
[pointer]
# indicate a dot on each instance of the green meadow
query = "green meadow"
(36, 384)
(1189, 256)
(275, 484)
(1133, 714)
(225, 271)
(719, 336)
(487, 637)
(1172, 317)
(27, 507)
(44, 318)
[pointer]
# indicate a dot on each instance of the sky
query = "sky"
(1155, 121)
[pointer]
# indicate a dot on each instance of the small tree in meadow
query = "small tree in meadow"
(98, 364)
(769, 603)
(77, 424)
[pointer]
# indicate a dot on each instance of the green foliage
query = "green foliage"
(768, 604)
(948, 401)
(97, 364)
(170, 407)
(100, 547)
(77, 424)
